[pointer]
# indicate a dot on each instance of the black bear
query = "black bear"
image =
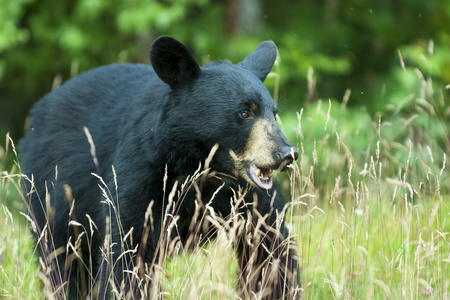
(117, 153)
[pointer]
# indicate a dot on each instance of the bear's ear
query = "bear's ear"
(172, 62)
(261, 61)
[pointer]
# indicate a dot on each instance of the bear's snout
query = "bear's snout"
(267, 149)
(286, 156)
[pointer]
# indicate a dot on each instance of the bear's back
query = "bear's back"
(102, 88)
(96, 104)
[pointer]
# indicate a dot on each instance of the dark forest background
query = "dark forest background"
(328, 48)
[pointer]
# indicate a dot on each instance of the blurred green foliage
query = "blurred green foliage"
(326, 47)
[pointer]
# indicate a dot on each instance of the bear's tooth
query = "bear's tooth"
(258, 172)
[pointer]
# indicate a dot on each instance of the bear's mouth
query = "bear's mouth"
(262, 177)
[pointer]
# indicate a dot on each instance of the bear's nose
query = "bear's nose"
(286, 156)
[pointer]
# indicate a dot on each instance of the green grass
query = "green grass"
(370, 211)
(19, 277)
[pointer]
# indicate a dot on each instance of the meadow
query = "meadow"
(369, 209)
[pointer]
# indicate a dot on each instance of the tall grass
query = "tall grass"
(369, 211)
(374, 223)
(19, 277)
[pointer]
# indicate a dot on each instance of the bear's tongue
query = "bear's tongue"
(262, 177)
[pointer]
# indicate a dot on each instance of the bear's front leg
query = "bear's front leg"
(267, 255)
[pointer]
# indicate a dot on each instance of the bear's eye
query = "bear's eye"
(244, 114)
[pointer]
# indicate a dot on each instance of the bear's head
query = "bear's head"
(222, 104)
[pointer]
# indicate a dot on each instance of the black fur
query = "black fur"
(144, 121)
